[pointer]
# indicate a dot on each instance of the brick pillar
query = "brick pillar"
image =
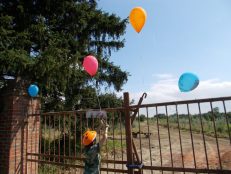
(19, 130)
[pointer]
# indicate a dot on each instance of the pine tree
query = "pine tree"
(45, 41)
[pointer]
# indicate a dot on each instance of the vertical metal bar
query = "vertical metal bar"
(49, 136)
(81, 131)
(54, 137)
(149, 142)
(121, 138)
(158, 129)
(60, 134)
(69, 136)
(44, 147)
(181, 147)
(203, 135)
(36, 129)
(227, 121)
(40, 136)
(190, 127)
(141, 153)
(98, 120)
(31, 133)
(27, 127)
(128, 132)
(107, 147)
(64, 137)
(113, 123)
(169, 136)
(75, 133)
(215, 131)
(31, 144)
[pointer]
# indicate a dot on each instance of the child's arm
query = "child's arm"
(103, 139)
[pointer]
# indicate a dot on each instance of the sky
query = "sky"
(178, 36)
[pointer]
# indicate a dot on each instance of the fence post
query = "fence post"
(16, 105)
(128, 132)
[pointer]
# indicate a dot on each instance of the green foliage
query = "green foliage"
(46, 168)
(46, 41)
(142, 118)
(207, 120)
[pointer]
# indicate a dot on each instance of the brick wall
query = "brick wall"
(19, 131)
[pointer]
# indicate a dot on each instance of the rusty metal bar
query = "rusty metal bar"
(190, 127)
(141, 153)
(203, 135)
(69, 135)
(135, 152)
(169, 136)
(128, 132)
(121, 138)
(60, 134)
(181, 102)
(137, 108)
(113, 132)
(64, 136)
(191, 170)
(227, 121)
(215, 131)
(158, 129)
(149, 142)
(44, 147)
(36, 138)
(179, 132)
(76, 166)
(76, 158)
(81, 131)
(25, 122)
(107, 147)
(40, 135)
(54, 135)
(49, 135)
(75, 133)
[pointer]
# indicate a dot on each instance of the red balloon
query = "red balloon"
(90, 64)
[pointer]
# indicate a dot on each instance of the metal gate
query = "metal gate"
(179, 137)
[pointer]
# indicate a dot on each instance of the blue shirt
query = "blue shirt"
(92, 161)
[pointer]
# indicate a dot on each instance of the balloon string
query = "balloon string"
(96, 88)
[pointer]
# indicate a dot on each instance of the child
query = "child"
(92, 149)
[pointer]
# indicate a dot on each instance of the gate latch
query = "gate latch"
(135, 166)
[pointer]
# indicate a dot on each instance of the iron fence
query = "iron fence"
(190, 136)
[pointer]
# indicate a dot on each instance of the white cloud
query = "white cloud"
(165, 90)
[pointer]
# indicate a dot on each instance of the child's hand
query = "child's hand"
(104, 123)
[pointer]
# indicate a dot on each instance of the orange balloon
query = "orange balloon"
(137, 18)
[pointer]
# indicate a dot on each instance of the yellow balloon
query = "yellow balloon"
(137, 18)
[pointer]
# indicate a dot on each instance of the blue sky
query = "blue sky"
(179, 36)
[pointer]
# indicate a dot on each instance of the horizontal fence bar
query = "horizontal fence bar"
(74, 165)
(182, 102)
(73, 158)
(192, 170)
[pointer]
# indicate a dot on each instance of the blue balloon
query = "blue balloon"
(188, 82)
(33, 90)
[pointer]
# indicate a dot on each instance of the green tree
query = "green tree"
(45, 41)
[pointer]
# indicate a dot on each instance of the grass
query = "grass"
(208, 126)
(47, 169)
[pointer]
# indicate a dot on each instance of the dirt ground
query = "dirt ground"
(154, 155)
